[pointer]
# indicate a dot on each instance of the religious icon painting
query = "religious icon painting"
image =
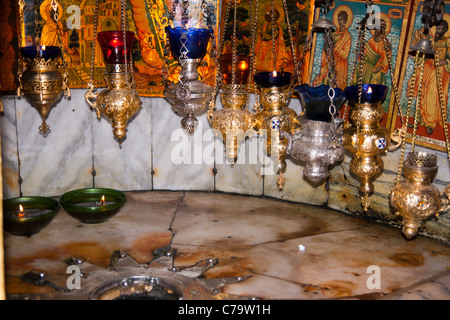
(8, 46)
(430, 115)
(146, 18)
(377, 66)
(272, 46)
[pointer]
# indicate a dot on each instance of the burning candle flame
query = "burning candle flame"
(243, 65)
(102, 201)
(43, 47)
(274, 73)
(369, 90)
(21, 214)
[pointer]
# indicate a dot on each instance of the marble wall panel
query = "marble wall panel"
(61, 161)
(10, 159)
(181, 161)
(125, 166)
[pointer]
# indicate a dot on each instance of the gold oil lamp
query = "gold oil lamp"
(234, 120)
(273, 90)
(120, 101)
(275, 116)
(364, 137)
(415, 199)
(189, 96)
(40, 81)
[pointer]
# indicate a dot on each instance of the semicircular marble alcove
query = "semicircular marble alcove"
(160, 161)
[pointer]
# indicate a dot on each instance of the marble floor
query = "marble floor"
(281, 250)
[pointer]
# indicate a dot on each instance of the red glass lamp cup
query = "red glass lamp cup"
(112, 46)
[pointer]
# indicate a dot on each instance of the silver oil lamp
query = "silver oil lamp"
(188, 96)
(319, 144)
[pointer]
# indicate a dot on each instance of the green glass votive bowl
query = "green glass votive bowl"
(37, 213)
(86, 205)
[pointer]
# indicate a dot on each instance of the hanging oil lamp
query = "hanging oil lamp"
(40, 81)
(232, 121)
(415, 198)
(274, 91)
(275, 116)
(120, 101)
(188, 96)
(319, 144)
(364, 137)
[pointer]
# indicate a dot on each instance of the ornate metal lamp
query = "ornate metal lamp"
(40, 81)
(233, 121)
(415, 199)
(364, 137)
(319, 144)
(188, 96)
(274, 91)
(120, 101)
(275, 116)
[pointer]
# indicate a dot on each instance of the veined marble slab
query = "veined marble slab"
(126, 166)
(62, 161)
(181, 161)
(290, 251)
(10, 157)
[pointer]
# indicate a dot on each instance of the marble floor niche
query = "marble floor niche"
(283, 250)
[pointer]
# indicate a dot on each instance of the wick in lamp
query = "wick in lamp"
(26, 216)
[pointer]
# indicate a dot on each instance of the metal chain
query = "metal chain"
(234, 57)
(419, 96)
(361, 63)
(329, 44)
(20, 61)
(443, 107)
(252, 66)
(291, 42)
(94, 42)
(219, 50)
(274, 56)
(37, 30)
(408, 110)
(166, 51)
(391, 70)
(65, 87)
(124, 34)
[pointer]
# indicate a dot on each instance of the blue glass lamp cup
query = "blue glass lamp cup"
(47, 52)
(196, 44)
(269, 80)
(371, 93)
(316, 102)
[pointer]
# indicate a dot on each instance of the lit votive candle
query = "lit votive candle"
(28, 215)
(92, 205)
(272, 79)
